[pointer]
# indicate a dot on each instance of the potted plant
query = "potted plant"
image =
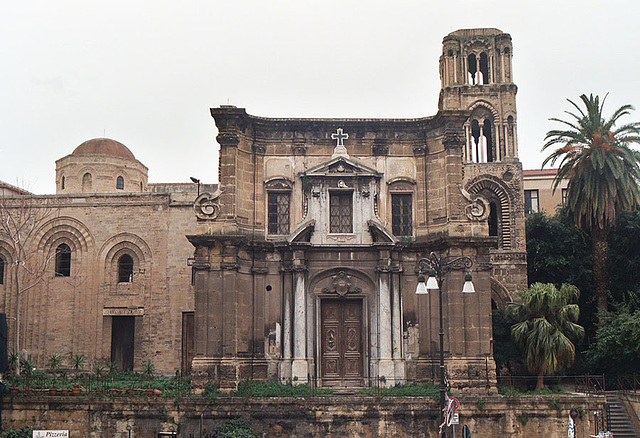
(54, 364)
(149, 371)
(98, 371)
(12, 372)
(77, 389)
(78, 361)
(27, 369)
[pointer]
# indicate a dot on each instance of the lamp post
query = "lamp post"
(196, 181)
(129, 429)
(438, 268)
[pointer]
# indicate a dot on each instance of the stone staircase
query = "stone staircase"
(620, 424)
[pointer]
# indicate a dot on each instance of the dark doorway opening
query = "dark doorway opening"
(122, 341)
(188, 344)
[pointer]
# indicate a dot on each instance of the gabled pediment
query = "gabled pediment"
(302, 234)
(342, 166)
(379, 232)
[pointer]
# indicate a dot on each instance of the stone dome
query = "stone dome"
(103, 146)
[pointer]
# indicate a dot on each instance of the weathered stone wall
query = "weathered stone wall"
(65, 315)
(491, 416)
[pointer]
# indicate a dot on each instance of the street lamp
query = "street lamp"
(438, 268)
(196, 181)
(129, 429)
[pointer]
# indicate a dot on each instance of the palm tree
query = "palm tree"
(547, 327)
(602, 172)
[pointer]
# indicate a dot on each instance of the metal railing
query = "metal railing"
(583, 384)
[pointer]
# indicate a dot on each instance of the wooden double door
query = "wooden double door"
(342, 343)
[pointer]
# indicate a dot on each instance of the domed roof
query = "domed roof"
(103, 146)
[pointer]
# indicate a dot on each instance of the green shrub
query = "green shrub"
(210, 391)
(23, 432)
(237, 428)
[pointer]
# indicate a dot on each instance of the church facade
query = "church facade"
(302, 264)
(308, 253)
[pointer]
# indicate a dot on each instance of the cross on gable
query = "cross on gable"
(340, 136)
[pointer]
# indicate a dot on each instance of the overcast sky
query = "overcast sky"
(146, 73)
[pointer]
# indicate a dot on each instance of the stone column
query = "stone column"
(396, 321)
(467, 132)
(455, 68)
(300, 366)
(482, 143)
(287, 332)
(515, 140)
(385, 364)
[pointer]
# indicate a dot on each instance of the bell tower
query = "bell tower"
(477, 76)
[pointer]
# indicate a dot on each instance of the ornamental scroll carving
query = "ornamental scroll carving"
(478, 208)
(341, 285)
(207, 206)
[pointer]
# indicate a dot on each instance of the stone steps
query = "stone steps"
(620, 423)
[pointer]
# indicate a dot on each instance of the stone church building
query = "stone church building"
(108, 257)
(302, 263)
(306, 256)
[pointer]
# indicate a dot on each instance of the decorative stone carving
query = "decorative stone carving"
(279, 183)
(341, 285)
(478, 209)
(207, 206)
(453, 138)
(228, 139)
(341, 238)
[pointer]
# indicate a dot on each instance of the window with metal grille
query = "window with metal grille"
(125, 269)
(63, 260)
(401, 211)
(279, 213)
(341, 212)
(120, 183)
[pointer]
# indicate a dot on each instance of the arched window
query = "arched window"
(63, 260)
(481, 147)
(2, 263)
(120, 183)
(62, 183)
(86, 182)
(487, 131)
(484, 69)
(472, 68)
(125, 269)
